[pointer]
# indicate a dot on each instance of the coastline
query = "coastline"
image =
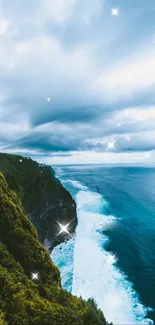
(43, 196)
(30, 283)
(105, 282)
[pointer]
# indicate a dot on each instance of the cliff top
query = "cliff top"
(42, 195)
(23, 301)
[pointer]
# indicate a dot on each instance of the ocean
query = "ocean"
(112, 255)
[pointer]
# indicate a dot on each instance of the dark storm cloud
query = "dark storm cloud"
(47, 143)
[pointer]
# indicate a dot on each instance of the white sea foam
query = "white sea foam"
(77, 184)
(62, 255)
(94, 270)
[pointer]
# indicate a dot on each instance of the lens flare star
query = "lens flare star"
(114, 12)
(112, 259)
(111, 145)
(35, 276)
(64, 229)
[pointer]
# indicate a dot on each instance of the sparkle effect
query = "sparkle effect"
(48, 99)
(64, 229)
(115, 12)
(35, 276)
(21, 160)
(111, 145)
(111, 259)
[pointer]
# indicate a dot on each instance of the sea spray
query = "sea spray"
(88, 270)
(62, 255)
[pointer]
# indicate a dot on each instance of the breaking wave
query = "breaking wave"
(88, 270)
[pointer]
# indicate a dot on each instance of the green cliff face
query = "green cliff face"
(42, 195)
(24, 301)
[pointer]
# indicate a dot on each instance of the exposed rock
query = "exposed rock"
(44, 198)
(24, 301)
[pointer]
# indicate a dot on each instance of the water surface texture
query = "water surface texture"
(112, 257)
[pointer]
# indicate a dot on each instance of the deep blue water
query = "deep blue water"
(128, 195)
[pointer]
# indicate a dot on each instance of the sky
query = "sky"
(77, 80)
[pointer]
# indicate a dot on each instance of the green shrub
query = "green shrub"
(23, 301)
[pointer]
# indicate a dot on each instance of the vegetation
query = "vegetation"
(22, 300)
(41, 193)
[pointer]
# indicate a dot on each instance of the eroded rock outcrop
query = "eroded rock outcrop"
(44, 198)
(23, 301)
(28, 187)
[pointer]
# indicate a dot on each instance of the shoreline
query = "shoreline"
(132, 297)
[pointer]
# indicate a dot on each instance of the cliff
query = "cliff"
(22, 300)
(42, 195)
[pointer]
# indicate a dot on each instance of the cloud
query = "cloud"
(49, 71)
(136, 114)
(98, 72)
(79, 27)
(99, 158)
(134, 134)
(128, 77)
(59, 10)
(130, 120)
(3, 26)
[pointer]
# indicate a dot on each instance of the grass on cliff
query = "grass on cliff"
(23, 302)
(23, 173)
(41, 193)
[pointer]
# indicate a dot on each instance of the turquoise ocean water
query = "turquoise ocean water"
(112, 255)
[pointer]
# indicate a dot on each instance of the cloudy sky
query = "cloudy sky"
(77, 80)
